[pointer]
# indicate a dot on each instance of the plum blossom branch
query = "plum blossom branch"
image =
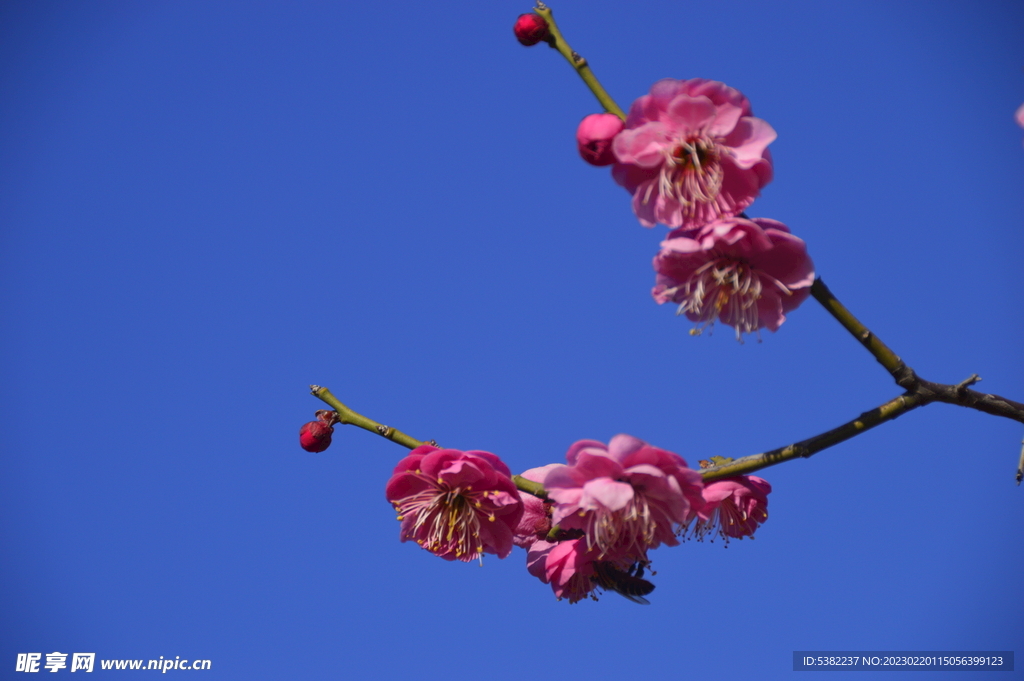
(812, 445)
(919, 393)
(349, 417)
(344, 415)
(905, 377)
(577, 62)
(886, 357)
(530, 487)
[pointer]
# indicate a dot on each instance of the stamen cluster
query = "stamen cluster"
(734, 508)
(457, 505)
(745, 273)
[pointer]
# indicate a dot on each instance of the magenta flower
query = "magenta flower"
(536, 521)
(745, 273)
(735, 508)
(692, 152)
(568, 566)
(594, 138)
(627, 497)
(457, 505)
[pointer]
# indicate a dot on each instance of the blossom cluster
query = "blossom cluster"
(598, 518)
(694, 157)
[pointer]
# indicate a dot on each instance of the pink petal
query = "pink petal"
(691, 114)
(726, 118)
(538, 474)
(642, 146)
(581, 446)
(610, 494)
(622, 445)
(749, 140)
(590, 465)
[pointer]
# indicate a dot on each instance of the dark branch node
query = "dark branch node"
(906, 378)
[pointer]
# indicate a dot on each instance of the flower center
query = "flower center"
(727, 521)
(630, 528)
(724, 288)
(692, 172)
(447, 520)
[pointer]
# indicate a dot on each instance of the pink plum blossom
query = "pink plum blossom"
(568, 566)
(745, 273)
(692, 152)
(1020, 116)
(457, 505)
(626, 497)
(536, 521)
(594, 138)
(735, 508)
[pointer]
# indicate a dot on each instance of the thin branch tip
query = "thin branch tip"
(969, 381)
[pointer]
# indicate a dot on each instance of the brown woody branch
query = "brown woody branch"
(919, 393)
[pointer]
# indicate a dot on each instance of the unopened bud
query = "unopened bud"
(315, 436)
(594, 138)
(531, 28)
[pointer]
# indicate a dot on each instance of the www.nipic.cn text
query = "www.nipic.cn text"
(85, 662)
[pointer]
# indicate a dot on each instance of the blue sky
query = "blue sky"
(205, 207)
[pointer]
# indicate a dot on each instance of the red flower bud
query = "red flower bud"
(315, 436)
(531, 28)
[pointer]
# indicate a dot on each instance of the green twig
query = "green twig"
(903, 374)
(347, 416)
(577, 62)
(805, 448)
(530, 487)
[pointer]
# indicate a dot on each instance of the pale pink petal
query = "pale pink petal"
(726, 118)
(691, 114)
(748, 142)
(590, 446)
(591, 464)
(538, 474)
(643, 146)
(622, 445)
(606, 493)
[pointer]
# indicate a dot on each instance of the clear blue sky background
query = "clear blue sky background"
(207, 206)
